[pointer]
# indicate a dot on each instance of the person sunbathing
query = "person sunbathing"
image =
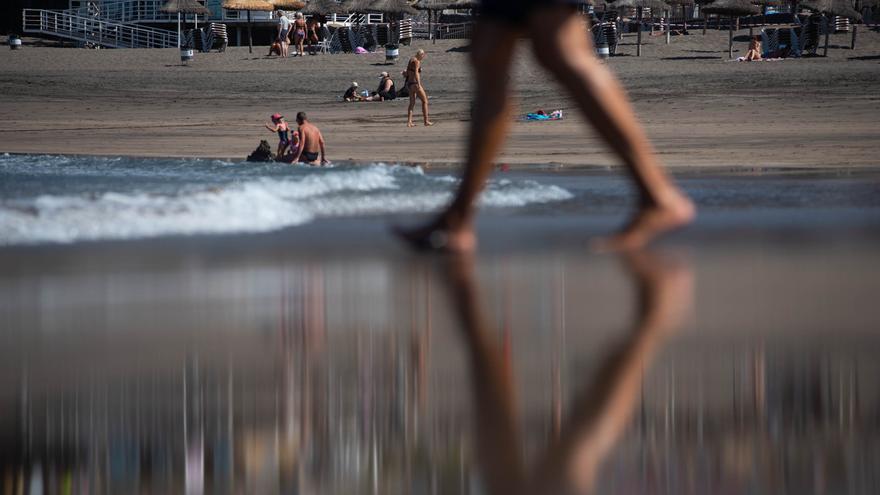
(754, 53)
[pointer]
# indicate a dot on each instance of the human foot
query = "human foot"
(438, 238)
(648, 223)
(410, 124)
(427, 123)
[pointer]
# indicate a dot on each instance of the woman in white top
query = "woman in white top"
(283, 32)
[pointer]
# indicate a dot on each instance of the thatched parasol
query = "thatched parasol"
(842, 8)
(734, 9)
(323, 7)
(184, 7)
(288, 4)
(359, 6)
(684, 4)
(393, 7)
(248, 5)
(654, 5)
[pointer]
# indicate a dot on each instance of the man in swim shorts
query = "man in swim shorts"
(563, 47)
(311, 142)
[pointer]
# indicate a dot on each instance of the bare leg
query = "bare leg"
(559, 41)
(424, 97)
(492, 51)
(601, 414)
(409, 110)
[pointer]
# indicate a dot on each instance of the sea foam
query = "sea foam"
(69, 199)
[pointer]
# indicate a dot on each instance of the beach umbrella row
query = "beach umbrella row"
(842, 8)
(323, 7)
(734, 9)
(184, 7)
(654, 5)
(249, 5)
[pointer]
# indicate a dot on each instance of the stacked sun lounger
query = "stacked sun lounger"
(405, 31)
(841, 24)
(214, 37)
(383, 34)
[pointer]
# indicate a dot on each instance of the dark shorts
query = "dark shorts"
(308, 156)
(517, 12)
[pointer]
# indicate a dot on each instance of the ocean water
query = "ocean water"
(64, 199)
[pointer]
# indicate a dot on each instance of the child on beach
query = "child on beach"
(283, 129)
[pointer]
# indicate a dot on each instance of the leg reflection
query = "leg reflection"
(602, 411)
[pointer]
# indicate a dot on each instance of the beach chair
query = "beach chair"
(365, 33)
(215, 37)
(405, 30)
(383, 34)
(333, 40)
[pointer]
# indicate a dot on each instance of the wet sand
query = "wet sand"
(700, 109)
(328, 357)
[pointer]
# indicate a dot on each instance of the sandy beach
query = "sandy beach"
(700, 109)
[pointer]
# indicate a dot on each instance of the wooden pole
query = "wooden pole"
(705, 22)
(852, 46)
(827, 30)
(639, 35)
(250, 35)
(178, 31)
(668, 27)
(684, 16)
(730, 39)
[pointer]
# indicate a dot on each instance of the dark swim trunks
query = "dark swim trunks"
(517, 12)
(308, 157)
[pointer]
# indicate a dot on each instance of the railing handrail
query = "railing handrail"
(95, 30)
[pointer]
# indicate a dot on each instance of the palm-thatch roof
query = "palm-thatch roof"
(323, 7)
(392, 7)
(842, 8)
(654, 5)
(680, 2)
(257, 5)
(770, 2)
(731, 7)
(288, 4)
(357, 5)
(184, 7)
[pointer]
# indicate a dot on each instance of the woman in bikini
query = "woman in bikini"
(414, 86)
(299, 33)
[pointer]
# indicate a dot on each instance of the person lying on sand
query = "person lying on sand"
(311, 142)
(283, 129)
(560, 43)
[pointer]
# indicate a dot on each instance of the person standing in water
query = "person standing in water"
(413, 77)
(280, 126)
(562, 46)
(311, 142)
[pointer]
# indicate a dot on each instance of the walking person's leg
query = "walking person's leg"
(492, 51)
(409, 110)
(563, 47)
(424, 97)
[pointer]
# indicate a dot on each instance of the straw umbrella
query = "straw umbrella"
(323, 7)
(734, 9)
(288, 4)
(392, 7)
(842, 8)
(249, 5)
(684, 4)
(184, 7)
(654, 5)
(432, 6)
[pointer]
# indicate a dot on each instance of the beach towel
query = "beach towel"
(541, 115)
(360, 50)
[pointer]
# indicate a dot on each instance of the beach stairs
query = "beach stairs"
(93, 31)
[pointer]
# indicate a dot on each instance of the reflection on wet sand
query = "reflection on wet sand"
(599, 415)
(351, 376)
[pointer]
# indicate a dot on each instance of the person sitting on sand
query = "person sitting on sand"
(754, 53)
(351, 94)
(415, 88)
(561, 44)
(386, 90)
(283, 130)
(311, 142)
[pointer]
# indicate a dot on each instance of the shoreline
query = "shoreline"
(696, 108)
(733, 170)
